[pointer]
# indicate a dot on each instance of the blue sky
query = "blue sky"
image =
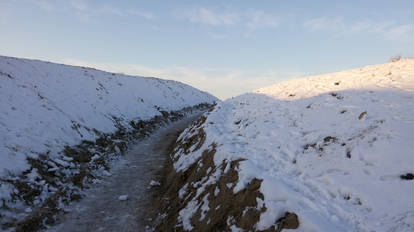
(225, 47)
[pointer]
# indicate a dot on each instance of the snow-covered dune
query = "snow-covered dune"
(45, 107)
(335, 150)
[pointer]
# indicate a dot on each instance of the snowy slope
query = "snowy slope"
(41, 101)
(335, 149)
(45, 107)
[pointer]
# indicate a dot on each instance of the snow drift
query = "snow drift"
(52, 115)
(326, 153)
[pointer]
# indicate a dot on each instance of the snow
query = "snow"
(43, 104)
(204, 208)
(330, 148)
(235, 229)
(154, 183)
(123, 197)
(45, 107)
(186, 213)
(183, 191)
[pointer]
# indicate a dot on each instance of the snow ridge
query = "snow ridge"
(42, 102)
(335, 149)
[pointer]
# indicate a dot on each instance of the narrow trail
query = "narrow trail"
(101, 210)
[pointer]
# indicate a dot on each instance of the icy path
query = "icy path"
(101, 210)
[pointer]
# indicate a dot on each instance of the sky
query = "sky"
(225, 47)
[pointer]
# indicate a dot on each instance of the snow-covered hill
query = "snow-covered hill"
(335, 150)
(48, 108)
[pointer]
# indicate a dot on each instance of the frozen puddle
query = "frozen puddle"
(119, 202)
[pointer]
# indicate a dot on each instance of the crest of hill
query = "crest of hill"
(392, 75)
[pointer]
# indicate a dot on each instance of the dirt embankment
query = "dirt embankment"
(208, 191)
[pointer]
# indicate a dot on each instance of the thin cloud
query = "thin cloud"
(110, 10)
(86, 12)
(339, 26)
(142, 14)
(404, 33)
(325, 24)
(45, 5)
(253, 19)
(79, 5)
(259, 19)
(207, 16)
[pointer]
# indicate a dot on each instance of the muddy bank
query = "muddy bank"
(202, 198)
(51, 183)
